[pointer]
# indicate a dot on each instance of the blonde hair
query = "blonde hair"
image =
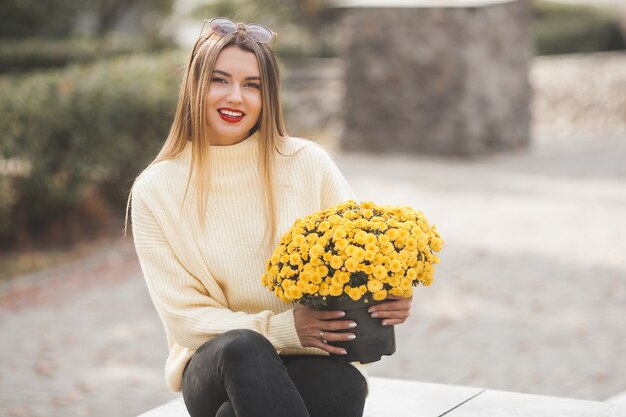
(190, 119)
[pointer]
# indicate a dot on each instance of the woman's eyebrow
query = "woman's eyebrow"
(224, 73)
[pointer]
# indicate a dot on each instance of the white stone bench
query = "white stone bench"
(401, 398)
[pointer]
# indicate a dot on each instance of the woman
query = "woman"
(207, 213)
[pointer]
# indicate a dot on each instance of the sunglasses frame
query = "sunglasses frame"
(243, 26)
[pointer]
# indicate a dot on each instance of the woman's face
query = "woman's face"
(234, 99)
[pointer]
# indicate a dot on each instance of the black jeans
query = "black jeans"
(239, 374)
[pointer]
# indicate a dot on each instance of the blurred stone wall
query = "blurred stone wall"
(437, 80)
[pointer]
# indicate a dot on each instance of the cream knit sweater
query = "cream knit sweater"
(205, 282)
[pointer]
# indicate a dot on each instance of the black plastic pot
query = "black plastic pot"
(373, 340)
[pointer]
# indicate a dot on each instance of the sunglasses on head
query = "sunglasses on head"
(225, 26)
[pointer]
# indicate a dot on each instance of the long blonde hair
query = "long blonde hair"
(190, 119)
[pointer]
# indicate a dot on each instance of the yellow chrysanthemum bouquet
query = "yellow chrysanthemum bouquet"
(353, 255)
(353, 252)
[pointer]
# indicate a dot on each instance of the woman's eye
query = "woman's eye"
(253, 85)
(218, 80)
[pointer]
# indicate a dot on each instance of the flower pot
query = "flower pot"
(373, 340)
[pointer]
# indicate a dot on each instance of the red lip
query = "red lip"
(230, 119)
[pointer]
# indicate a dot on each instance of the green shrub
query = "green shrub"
(79, 134)
(560, 29)
(41, 53)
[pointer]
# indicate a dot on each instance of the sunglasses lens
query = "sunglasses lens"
(259, 33)
(223, 26)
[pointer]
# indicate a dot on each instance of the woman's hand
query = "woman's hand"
(315, 328)
(394, 311)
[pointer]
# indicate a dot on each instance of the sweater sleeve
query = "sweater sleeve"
(190, 314)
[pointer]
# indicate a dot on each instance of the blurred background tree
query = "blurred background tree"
(66, 18)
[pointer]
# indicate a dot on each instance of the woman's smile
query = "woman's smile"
(231, 115)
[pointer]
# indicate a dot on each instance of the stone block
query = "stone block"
(443, 77)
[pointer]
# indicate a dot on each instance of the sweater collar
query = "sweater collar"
(240, 152)
(230, 159)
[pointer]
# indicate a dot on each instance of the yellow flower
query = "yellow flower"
(410, 244)
(353, 293)
(336, 262)
(316, 251)
(427, 280)
(374, 285)
(323, 290)
(405, 283)
(395, 265)
(287, 272)
(371, 239)
(411, 274)
(287, 283)
(274, 270)
(394, 281)
(295, 260)
(342, 277)
(379, 272)
(436, 244)
(335, 291)
(322, 271)
(312, 288)
(361, 223)
(342, 244)
(358, 254)
(398, 292)
(293, 293)
(299, 240)
(351, 265)
(393, 234)
(387, 249)
(312, 238)
(380, 295)
(324, 226)
(339, 233)
(369, 255)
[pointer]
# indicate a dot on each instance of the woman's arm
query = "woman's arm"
(189, 312)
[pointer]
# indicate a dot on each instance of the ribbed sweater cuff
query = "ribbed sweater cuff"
(282, 331)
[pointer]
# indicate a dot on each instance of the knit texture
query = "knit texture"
(207, 281)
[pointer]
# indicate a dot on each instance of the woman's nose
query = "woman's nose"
(234, 96)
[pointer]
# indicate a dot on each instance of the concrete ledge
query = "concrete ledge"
(402, 398)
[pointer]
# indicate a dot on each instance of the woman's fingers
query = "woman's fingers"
(394, 311)
(336, 324)
(392, 322)
(392, 304)
(312, 325)
(328, 315)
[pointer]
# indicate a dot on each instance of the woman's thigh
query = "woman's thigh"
(329, 388)
(241, 366)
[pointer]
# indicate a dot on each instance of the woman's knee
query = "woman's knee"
(327, 387)
(240, 345)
